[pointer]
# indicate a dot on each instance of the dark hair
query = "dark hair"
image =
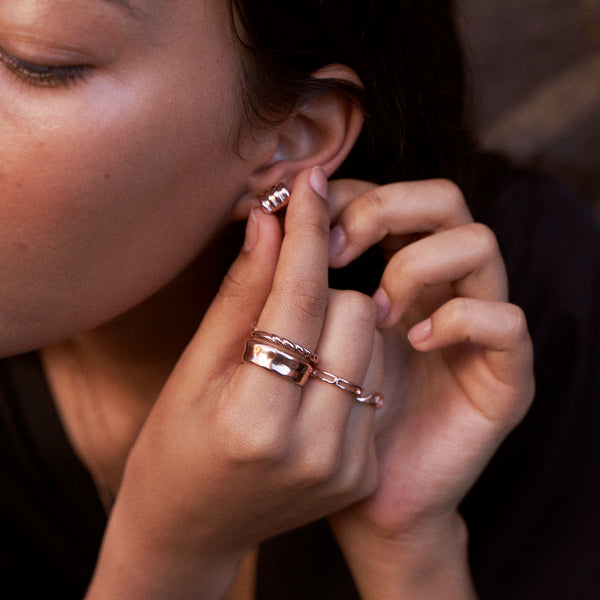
(407, 55)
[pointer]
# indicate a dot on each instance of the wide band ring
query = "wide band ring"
(285, 343)
(276, 360)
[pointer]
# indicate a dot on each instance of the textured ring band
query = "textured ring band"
(285, 343)
(277, 361)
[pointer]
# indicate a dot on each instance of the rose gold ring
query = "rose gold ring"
(274, 198)
(375, 399)
(285, 343)
(277, 361)
(339, 382)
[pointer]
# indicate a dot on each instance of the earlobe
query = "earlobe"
(322, 132)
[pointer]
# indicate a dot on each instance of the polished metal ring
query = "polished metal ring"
(285, 343)
(277, 361)
(274, 198)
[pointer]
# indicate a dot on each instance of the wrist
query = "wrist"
(430, 562)
(135, 564)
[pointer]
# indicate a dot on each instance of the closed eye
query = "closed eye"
(44, 75)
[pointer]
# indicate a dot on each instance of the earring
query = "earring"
(274, 198)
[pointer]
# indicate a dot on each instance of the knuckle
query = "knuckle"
(484, 239)
(319, 463)
(358, 307)
(301, 298)
(234, 285)
(515, 321)
(450, 194)
(457, 312)
(403, 269)
(363, 210)
(252, 439)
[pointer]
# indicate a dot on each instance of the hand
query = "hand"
(232, 454)
(458, 370)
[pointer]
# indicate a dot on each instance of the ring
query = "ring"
(274, 198)
(339, 382)
(273, 357)
(277, 361)
(375, 399)
(285, 343)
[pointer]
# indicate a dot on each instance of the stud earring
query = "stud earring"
(274, 198)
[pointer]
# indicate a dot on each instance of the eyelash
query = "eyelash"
(43, 75)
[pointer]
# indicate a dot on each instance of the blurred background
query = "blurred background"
(535, 67)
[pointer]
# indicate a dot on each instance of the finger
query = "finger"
(296, 306)
(360, 471)
(332, 427)
(467, 257)
(359, 429)
(219, 340)
(343, 192)
(396, 210)
(499, 330)
(345, 350)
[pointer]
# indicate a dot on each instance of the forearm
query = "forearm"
(413, 568)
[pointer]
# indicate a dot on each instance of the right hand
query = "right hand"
(232, 454)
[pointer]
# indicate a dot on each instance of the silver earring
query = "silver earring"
(274, 198)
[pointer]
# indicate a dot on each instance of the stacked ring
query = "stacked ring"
(298, 364)
(276, 360)
(285, 343)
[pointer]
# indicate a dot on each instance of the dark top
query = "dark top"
(533, 517)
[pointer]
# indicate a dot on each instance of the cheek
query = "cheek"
(101, 208)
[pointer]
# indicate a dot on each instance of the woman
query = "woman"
(136, 135)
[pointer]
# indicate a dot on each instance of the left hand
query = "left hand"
(458, 369)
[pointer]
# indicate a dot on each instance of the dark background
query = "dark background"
(535, 69)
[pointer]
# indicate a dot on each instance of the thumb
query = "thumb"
(218, 342)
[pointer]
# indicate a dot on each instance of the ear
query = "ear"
(322, 132)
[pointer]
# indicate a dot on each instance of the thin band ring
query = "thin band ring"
(339, 382)
(277, 361)
(375, 399)
(285, 343)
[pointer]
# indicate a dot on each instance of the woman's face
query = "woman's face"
(119, 156)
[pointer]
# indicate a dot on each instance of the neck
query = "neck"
(105, 381)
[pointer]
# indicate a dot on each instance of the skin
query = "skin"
(122, 155)
(112, 252)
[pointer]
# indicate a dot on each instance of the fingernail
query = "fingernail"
(420, 332)
(337, 241)
(251, 231)
(382, 300)
(318, 182)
